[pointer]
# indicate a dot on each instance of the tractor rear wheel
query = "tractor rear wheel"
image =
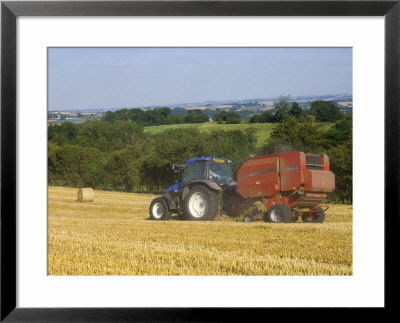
(278, 213)
(318, 216)
(201, 204)
(159, 210)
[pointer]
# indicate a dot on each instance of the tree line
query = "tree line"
(119, 155)
(320, 111)
(155, 117)
(166, 116)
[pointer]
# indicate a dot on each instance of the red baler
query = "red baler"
(288, 184)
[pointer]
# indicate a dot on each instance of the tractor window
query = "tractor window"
(193, 171)
(221, 173)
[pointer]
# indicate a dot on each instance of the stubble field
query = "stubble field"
(113, 236)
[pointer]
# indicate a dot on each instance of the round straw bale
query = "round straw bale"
(85, 195)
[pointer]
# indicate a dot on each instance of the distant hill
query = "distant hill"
(216, 103)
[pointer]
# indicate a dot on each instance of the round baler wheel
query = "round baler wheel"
(201, 204)
(278, 213)
(159, 210)
(316, 217)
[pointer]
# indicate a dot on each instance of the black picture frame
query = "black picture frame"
(10, 10)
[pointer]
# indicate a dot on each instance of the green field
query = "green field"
(263, 130)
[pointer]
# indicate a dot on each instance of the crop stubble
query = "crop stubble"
(113, 236)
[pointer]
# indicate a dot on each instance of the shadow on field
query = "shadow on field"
(216, 219)
(173, 217)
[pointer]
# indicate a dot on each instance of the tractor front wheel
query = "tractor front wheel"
(278, 213)
(201, 204)
(159, 210)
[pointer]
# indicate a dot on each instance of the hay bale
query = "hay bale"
(86, 194)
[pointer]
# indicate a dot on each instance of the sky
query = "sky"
(102, 78)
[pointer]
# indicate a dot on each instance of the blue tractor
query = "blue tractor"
(199, 194)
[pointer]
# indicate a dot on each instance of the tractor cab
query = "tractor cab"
(214, 170)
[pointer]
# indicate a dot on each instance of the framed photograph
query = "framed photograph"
(177, 160)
